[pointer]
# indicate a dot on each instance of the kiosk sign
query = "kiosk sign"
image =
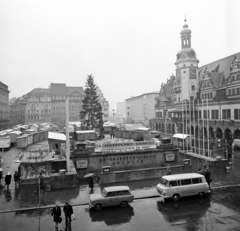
(81, 164)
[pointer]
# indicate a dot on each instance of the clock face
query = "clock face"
(193, 74)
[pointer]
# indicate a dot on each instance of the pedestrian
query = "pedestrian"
(16, 178)
(111, 135)
(68, 211)
(169, 172)
(225, 153)
(40, 184)
(56, 213)
(208, 177)
(91, 183)
(1, 175)
(8, 178)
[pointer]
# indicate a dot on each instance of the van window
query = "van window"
(186, 182)
(196, 180)
(173, 183)
(163, 181)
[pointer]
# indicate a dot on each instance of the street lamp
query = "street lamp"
(128, 113)
(67, 133)
(113, 114)
(165, 113)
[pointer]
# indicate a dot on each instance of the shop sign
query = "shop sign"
(81, 164)
(170, 157)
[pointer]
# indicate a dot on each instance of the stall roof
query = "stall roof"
(180, 136)
(85, 131)
(56, 136)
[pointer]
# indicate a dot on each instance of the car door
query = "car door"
(110, 199)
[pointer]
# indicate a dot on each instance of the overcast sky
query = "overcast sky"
(128, 46)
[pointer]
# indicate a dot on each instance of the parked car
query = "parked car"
(111, 196)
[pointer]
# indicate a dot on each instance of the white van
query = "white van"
(181, 185)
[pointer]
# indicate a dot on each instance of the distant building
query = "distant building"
(141, 108)
(120, 115)
(104, 103)
(59, 92)
(38, 108)
(17, 111)
(4, 106)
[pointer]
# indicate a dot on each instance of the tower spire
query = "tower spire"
(186, 35)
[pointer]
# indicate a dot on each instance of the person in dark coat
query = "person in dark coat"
(68, 211)
(208, 177)
(56, 213)
(1, 175)
(169, 172)
(91, 183)
(8, 178)
(16, 178)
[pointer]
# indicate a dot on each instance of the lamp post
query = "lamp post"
(113, 114)
(67, 133)
(128, 113)
(165, 113)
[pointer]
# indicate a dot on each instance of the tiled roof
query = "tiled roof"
(219, 70)
(70, 90)
(40, 91)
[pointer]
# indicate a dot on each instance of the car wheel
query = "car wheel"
(98, 206)
(123, 204)
(175, 197)
(201, 194)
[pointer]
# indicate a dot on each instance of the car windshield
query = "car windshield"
(104, 193)
(163, 181)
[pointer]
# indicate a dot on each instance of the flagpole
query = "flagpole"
(190, 123)
(208, 128)
(203, 128)
(198, 130)
(194, 130)
(182, 124)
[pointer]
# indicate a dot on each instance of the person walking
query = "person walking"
(56, 213)
(208, 177)
(1, 175)
(91, 183)
(169, 172)
(16, 178)
(8, 178)
(68, 211)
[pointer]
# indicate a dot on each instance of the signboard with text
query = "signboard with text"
(169, 157)
(81, 164)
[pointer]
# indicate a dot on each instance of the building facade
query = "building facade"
(201, 101)
(38, 108)
(17, 111)
(141, 108)
(4, 106)
(104, 103)
(59, 92)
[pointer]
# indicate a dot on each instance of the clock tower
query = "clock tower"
(186, 67)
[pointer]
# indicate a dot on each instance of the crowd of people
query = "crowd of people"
(8, 179)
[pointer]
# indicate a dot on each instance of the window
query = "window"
(214, 114)
(233, 91)
(122, 193)
(186, 182)
(193, 87)
(237, 114)
(229, 92)
(196, 180)
(173, 183)
(226, 113)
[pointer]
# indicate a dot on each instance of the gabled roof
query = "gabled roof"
(219, 70)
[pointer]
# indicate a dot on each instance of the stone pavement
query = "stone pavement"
(80, 195)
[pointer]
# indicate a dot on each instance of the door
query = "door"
(110, 199)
